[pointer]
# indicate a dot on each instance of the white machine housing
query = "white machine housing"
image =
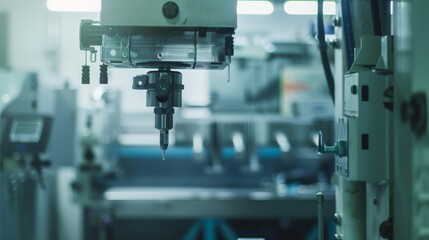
(366, 127)
(148, 13)
(182, 34)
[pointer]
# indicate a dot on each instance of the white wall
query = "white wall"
(278, 26)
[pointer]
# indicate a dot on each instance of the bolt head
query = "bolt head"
(338, 237)
(337, 219)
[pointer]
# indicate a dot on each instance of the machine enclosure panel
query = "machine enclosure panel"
(367, 127)
(351, 100)
(148, 13)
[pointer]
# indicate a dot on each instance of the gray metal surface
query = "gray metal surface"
(411, 153)
(176, 48)
(4, 43)
(62, 147)
(403, 216)
(185, 203)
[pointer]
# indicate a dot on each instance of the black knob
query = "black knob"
(415, 112)
(386, 229)
(229, 46)
(103, 74)
(170, 10)
(85, 74)
(89, 154)
(40, 163)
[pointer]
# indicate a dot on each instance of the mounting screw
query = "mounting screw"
(337, 219)
(386, 229)
(335, 44)
(336, 22)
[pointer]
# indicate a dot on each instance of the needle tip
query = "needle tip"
(163, 154)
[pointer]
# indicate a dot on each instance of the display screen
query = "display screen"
(26, 130)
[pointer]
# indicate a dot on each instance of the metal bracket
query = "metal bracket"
(339, 148)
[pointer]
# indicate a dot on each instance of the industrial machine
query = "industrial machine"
(164, 35)
(38, 128)
(380, 96)
(219, 171)
(221, 163)
(363, 102)
(226, 167)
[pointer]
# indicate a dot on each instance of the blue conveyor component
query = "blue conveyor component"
(209, 227)
(263, 153)
(187, 153)
(154, 152)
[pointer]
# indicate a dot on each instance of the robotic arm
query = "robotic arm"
(163, 35)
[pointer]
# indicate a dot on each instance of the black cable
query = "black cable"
(323, 47)
(349, 40)
(376, 20)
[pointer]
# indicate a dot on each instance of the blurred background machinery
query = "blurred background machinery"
(82, 161)
(242, 159)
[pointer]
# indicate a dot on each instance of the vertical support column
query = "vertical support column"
(352, 207)
(4, 32)
(411, 165)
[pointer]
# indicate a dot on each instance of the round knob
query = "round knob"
(386, 229)
(415, 112)
(170, 10)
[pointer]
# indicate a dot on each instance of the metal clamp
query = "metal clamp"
(339, 148)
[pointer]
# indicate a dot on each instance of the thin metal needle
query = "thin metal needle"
(229, 73)
(163, 154)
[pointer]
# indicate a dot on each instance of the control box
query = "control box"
(365, 127)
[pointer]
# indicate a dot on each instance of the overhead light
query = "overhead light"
(74, 5)
(308, 7)
(255, 7)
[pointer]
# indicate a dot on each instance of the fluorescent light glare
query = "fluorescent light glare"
(255, 7)
(308, 8)
(74, 5)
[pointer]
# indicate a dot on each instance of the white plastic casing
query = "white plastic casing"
(148, 13)
(366, 127)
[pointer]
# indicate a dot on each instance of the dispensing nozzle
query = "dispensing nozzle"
(164, 92)
(163, 141)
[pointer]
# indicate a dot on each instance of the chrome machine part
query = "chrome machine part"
(164, 92)
(164, 35)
